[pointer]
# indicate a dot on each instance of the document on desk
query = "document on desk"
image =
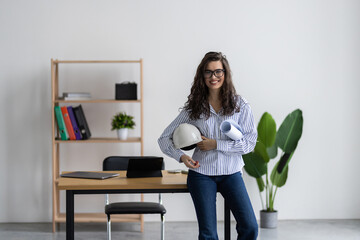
(89, 175)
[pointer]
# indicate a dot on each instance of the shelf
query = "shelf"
(99, 217)
(97, 101)
(57, 143)
(96, 61)
(102, 140)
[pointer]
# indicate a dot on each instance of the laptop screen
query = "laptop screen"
(145, 167)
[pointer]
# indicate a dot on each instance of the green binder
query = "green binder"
(61, 124)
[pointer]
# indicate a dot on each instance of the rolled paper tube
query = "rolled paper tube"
(231, 129)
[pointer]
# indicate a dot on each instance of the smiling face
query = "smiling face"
(213, 82)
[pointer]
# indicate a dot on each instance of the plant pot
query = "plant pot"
(268, 219)
(122, 133)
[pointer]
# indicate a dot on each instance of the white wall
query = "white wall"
(284, 55)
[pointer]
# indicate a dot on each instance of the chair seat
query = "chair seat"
(134, 208)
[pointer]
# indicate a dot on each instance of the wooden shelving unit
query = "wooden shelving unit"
(59, 217)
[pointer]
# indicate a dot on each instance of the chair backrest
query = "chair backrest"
(119, 163)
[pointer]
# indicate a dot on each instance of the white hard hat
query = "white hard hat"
(186, 136)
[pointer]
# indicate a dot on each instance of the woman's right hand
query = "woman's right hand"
(189, 162)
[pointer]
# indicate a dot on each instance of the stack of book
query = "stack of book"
(76, 96)
(72, 123)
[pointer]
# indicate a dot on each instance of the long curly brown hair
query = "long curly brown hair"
(198, 102)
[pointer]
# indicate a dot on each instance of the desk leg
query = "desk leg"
(227, 222)
(69, 215)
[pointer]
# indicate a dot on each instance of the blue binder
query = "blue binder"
(74, 124)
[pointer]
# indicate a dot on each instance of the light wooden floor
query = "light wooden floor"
(287, 230)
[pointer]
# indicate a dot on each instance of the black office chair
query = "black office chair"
(118, 163)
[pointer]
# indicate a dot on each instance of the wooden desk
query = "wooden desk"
(169, 183)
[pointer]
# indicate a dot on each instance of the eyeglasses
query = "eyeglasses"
(218, 73)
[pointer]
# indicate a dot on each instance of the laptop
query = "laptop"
(90, 175)
(144, 167)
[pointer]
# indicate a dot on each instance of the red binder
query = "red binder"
(68, 124)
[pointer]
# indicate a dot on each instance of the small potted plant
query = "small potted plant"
(256, 163)
(121, 122)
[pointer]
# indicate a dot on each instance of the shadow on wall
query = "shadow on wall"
(27, 155)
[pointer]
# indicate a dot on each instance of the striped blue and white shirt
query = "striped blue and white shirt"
(226, 159)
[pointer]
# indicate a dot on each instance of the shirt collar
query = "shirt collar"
(212, 110)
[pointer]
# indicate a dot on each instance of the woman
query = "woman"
(212, 100)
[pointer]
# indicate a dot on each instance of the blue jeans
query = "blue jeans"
(203, 192)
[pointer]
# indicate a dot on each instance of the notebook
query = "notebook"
(144, 167)
(91, 175)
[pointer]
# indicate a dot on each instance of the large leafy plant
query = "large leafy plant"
(269, 140)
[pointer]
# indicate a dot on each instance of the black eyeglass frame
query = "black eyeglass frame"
(220, 71)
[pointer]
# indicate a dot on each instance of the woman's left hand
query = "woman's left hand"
(207, 144)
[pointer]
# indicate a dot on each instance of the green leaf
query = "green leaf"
(255, 165)
(290, 131)
(260, 183)
(284, 161)
(267, 130)
(122, 120)
(272, 151)
(260, 149)
(279, 179)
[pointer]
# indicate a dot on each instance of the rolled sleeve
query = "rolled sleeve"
(222, 145)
